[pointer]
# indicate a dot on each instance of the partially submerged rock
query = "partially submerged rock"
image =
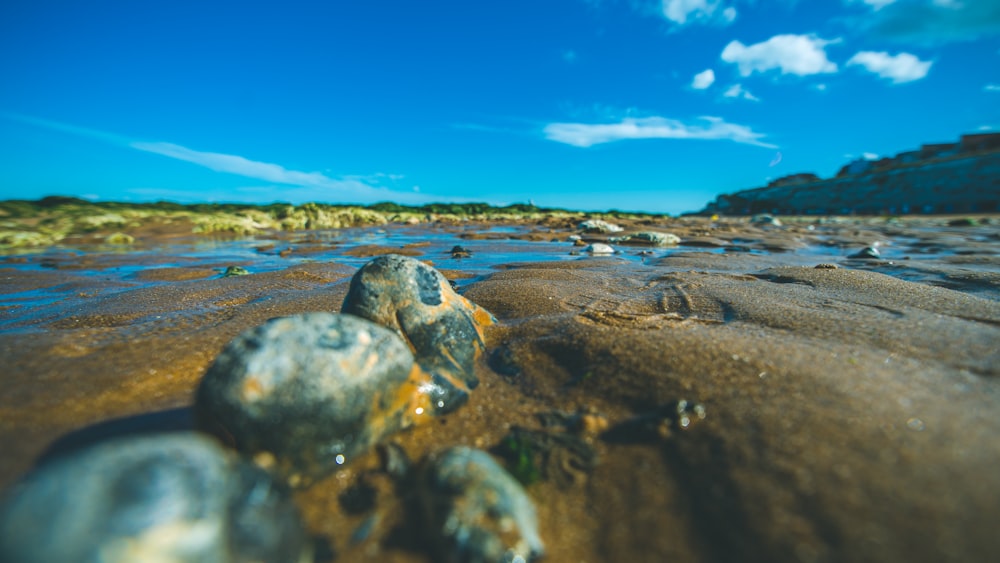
(599, 226)
(599, 249)
(477, 510)
(867, 253)
(171, 497)
(307, 393)
(652, 238)
(766, 220)
(443, 329)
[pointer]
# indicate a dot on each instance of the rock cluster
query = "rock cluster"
(298, 396)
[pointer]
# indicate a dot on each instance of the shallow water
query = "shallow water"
(916, 253)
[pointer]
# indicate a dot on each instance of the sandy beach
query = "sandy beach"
(846, 407)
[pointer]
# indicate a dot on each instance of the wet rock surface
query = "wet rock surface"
(306, 394)
(479, 511)
(172, 497)
(443, 329)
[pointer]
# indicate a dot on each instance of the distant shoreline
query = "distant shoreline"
(53, 220)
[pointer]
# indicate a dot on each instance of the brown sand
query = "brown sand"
(851, 416)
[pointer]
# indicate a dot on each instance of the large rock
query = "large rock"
(443, 329)
(171, 497)
(307, 393)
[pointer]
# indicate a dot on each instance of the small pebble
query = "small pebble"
(599, 226)
(867, 253)
(477, 510)
(599, 249)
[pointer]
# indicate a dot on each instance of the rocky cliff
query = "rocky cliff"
(961, 177)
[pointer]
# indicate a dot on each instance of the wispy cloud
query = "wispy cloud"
(736, 91)
(992, 88)
(791, 54)
(875, 4)
(239, 165)
(112, 138)
(707, 127)
(900, 68)
(346, 188)
(682, 12)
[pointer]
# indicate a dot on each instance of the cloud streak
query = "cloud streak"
(233, 164)
(353, 188)
(706, 128)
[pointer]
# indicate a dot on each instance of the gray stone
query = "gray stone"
(649, 237)
(599, 226)
(443, 329)
(477, 511)
(765, 220)
(599, 249)
(170, 497)
(867, 253)
(307, 393)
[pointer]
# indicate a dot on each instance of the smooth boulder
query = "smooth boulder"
(443, 329)
(170, 497)
(307, 393)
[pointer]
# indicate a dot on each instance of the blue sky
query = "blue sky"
(587, 104)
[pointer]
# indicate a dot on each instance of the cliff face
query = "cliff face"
(955, 183)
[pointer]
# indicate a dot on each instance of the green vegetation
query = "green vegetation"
(521, 458)
(59, 219)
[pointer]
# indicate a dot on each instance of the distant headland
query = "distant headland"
(960, 177)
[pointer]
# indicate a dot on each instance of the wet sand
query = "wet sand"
(850, 412)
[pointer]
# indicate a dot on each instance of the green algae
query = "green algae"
(52, 220)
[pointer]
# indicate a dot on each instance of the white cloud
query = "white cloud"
(791, 54)
(869, 156)
(900, 68)
(737, 91)
(686, 11)
(992, 88)
(703, 79)
(589, 134)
